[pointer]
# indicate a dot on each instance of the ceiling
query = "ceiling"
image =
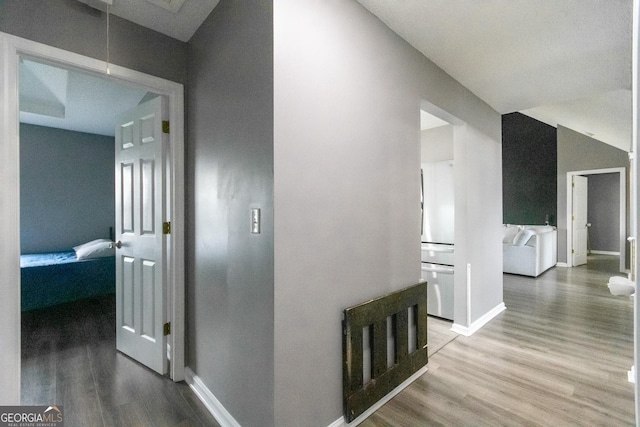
(429, 121)
(563, 62)
(55, 97)
(176, 18)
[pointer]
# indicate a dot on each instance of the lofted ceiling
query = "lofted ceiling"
(563, 62)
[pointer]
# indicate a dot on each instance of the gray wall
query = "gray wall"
(66, 188)
(347, 178)
(229, 171)
(577, 152)
(74, 26)
(604, 212)
(436, 144)
(478, 228)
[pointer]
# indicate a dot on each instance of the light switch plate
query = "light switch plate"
(255, 221)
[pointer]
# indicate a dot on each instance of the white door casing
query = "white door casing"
(141, 248)
(622, 211)
(579, 220)
(11, 50)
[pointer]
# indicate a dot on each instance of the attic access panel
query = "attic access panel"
(171, 5)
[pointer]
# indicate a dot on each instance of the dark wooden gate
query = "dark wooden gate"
(397, 308)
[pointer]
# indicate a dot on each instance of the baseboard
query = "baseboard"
(478, 324)
(222, 416)
(604, 252)
(562, 264)
(340, 422)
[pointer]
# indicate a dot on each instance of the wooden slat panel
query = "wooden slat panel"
(421, 324)
(357, 396)
(352, 359)
(379, 350)
(402, 334)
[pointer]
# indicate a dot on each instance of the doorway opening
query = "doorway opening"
(12, 50)
(581, 239)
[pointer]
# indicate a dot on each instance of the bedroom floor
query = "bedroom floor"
(558, 355)
(69, 359)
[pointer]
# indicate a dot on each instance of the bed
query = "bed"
(53, 278)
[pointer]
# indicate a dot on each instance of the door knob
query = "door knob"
(117, 244)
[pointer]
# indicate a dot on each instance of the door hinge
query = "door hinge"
(166, 227)
(165, 126)
(572, 251)
(166, 328)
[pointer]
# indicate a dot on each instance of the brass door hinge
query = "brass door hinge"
(166, 227)
(165, 126)
(572, 251)
(166, 328)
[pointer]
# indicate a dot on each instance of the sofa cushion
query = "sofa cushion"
(522, 237)
(509, 233)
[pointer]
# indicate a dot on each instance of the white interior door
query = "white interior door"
(140, 254)
(579, 223)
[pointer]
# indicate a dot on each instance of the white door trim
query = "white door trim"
(11, 48)
(623, 210)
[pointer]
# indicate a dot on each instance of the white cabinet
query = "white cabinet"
(437, 253)
(439, 280)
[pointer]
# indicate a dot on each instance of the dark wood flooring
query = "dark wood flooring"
(558, 356)
(69, 359)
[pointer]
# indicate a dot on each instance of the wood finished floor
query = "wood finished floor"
(69, 359)
(558, 356)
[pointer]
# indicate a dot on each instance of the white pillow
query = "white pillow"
(509, 233)
(95, 249)
(522, 237)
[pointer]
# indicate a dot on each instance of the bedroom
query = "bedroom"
(67, 180)
(67, 154)
(67, 193)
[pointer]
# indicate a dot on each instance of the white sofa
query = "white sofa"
(529, 250)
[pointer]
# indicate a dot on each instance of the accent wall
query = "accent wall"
(529, 168)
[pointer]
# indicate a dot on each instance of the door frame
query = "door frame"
(578, 244)
(11, 48)
(623, 211)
